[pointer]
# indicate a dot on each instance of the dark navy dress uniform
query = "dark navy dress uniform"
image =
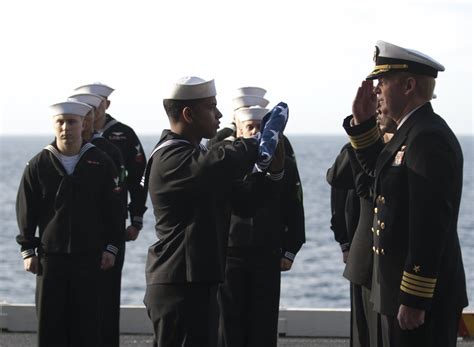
(260, 235)
(418, 183)
(76, 218)
(125, 139)
(133, 155)
(189, 190)
(112, 279)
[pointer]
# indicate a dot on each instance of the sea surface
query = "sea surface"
(316, 278)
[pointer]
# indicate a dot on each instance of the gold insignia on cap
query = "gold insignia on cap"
(417, 268)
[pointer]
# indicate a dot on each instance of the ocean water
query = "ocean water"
(316, 278)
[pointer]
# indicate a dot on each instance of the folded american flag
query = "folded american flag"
(272, 126)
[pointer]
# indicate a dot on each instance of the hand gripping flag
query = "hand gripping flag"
(272, 126)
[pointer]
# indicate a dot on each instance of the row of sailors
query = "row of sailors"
(76, 192)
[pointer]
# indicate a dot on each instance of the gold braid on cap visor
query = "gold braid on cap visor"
(378, 69)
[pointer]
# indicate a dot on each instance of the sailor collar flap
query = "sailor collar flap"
(110, 122)
(56, 154)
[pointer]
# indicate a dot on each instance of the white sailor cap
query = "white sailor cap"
(256, 91)
(71, 108)
(190, 88)
(95, 88)
(391, 58)
(250, 113)
(249, 100)
(89, 99)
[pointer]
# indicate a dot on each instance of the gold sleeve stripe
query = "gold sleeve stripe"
(419, 278)
(413, 292)
(365, 142)
(420, 289)
(366, 139)
(418, 283)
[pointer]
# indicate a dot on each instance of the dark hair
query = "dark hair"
(174, 108)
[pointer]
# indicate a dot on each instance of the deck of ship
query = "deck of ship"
(297, 327)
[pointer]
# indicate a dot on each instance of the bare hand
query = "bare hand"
(131, 233)
(345, 254)
(108, 261)
(365, 102)
(31, 264)
(410, 318)
(285, 264)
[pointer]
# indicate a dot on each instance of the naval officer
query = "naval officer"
(419, 287)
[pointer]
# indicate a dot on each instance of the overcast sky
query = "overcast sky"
(310, 54)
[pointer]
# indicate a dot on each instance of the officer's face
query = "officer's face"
(248, 128)
(68, 128)
(391, 100)
(205, 117)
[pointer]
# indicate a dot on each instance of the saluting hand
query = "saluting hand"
(410, 318)
(31, 264)
(365, 102)
(108, 261)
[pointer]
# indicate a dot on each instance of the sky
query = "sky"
(310, 54)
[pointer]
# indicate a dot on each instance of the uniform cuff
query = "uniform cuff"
(28, 253)
(230, 138)
(112, 249)
(345, 246)
(289, 256)
(362, 135)
(417, 291)
(137, 222)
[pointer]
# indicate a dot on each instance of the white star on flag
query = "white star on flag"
(284, 111)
